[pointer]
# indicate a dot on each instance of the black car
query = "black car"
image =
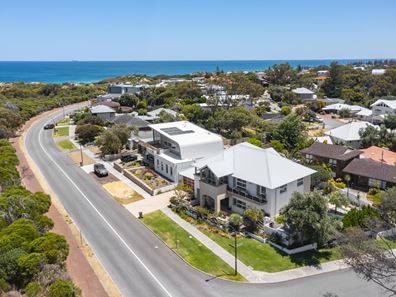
(100, 170)
(49, 126)
(128, 158)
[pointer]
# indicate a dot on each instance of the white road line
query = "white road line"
(103, 218)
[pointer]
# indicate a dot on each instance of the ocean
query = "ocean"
(84, 72)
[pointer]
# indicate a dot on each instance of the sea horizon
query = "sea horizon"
(82, 71)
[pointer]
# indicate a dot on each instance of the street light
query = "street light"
(235, 246)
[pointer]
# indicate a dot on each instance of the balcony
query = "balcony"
(260, 200)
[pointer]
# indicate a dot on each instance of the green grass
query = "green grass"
(264, 257)
(64, 121)
(61, 131)
(189, 248)
(66, 145)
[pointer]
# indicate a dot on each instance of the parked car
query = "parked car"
(100, 170)
(49, 126)
(128, 158)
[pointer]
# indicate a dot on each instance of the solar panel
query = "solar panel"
(176, 131)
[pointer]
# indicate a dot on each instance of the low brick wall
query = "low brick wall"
(300, 249)
(140, 183)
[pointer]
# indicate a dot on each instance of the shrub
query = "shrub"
(62, 288)
(33, 289)
(360, 217)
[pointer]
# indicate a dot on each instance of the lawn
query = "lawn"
(189, 248)
(66, 145)
(64, 121)
(264, 257)
(61, 131)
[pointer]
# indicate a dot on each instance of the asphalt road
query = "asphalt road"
(139, 263)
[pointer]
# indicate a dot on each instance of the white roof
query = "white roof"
(156, 112)
(194, 142)
(365, 112)
(101, 109)
(264, 167)
(302, 91)
(189, 172)
(390, 103)
(377, 71)
(349, 132)
(339, 106)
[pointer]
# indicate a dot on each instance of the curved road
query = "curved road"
(137, 261)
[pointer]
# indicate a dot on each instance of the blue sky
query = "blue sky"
(196, 30)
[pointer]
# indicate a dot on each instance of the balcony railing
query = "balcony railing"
(262, 199)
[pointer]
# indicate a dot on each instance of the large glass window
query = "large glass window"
(300, 182)
(261, 191)
(241, 184)
(332, 162)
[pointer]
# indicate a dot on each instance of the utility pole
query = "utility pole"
(82, 159)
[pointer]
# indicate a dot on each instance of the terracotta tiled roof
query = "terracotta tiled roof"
(380, 154)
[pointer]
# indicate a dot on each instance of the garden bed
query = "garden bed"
(149, 180)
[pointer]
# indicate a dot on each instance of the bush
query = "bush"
(62, 288)
(33, 289)
(360, 217)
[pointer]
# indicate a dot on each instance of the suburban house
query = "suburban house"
(328, 101)
(378, 71)
(348, 134)
(379, 154)
(304, 94)
(246, 176)
(104, 112)
(367, 173)
(337, 157)
(383, 107)
(125, 88)
(131, 120)
(337, 107)
(173, 147)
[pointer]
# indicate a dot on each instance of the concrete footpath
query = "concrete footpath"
(247, 272)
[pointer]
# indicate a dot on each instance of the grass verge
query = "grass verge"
(187, 247)
(61, 131)
(64, 121)
(66, 145)
(264, 257)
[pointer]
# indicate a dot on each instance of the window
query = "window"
(157, 163)
(162, 166)
(332, 162)
(308, 157)
(283, 189)
(261, 191)
(376, 183)
(239, 203)
(300, 182)
(171, 171)
(241, 184)
(166, 168)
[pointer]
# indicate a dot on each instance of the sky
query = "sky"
(130, 30)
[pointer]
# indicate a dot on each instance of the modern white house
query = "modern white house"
(246, 176)
(175, 146)
(348, 134)
(125, 88)
(304, 94)
(378, 71)
(104, 112)
(383, 107)
(337, 107)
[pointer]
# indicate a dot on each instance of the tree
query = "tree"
(109, 143)
(122, 132)
(374, 260)
(338, 200)
(251, 218)
(281, 74)
(390, 121)
(306, 219)
(87, 133)
(291, 132)
(128, 99)
(53, 246)
(255, 141)
(344, 112)
(332, 86)
(235, 221)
